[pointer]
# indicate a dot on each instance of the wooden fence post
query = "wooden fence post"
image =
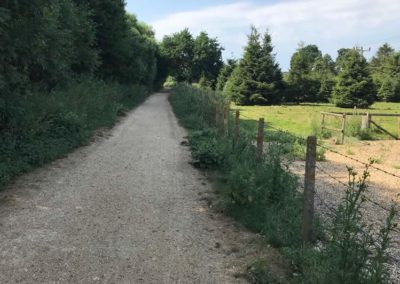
(237, 127)
(216, 115)
(343, 129)
(309, 190)
(398, 129)
(225, 120)
(366, 122)
(260, 139)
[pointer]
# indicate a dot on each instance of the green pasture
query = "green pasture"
(305, 119)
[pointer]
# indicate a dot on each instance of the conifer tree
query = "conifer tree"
(257, 79)
(226, 72)
(385, 71)
(354, 85)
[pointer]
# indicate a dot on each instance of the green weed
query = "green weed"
(43, 127)
(262, 194)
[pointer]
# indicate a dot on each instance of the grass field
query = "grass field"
(305, 119)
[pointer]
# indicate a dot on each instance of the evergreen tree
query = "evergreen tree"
(385, 70)
(304, 86)
(225, 73)
(354, 85)
(389, 89)
(270, 76)
(234, 87)
(324, 72)
(257, 79)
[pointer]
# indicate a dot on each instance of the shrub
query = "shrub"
(170, 82)
(45, 126)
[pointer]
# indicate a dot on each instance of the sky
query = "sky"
(330, 24)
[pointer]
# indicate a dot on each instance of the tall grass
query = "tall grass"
(41, 127)
(263, 195)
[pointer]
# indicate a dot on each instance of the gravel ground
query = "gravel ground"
(383, 188)
(126, 209)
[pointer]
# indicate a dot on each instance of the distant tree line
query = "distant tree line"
(192, 59)
(256, 78)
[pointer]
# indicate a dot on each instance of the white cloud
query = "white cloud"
(327, 23)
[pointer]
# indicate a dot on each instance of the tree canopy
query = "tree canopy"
(257, 79)
(354, 85)
(385, 70)
(192, 59)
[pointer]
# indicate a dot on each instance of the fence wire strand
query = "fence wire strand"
(358, 161)
(335, 152)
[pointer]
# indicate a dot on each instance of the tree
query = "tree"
(340, 59)
(354, 85)
(324, 73)
(304, 86)
(44, 43)
(385, 70)
(112, 37)
(257, 79)
(178, 50)
(207, 59)
(225, 73)
(142, 55)
(389, 90)
(269, 75)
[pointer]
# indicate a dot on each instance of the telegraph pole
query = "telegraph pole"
(361, 50)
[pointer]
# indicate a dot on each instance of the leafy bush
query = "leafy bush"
(352, 252)
(170, 82)
(261, 194)
(43, 127)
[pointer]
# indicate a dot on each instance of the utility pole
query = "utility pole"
(361, 50)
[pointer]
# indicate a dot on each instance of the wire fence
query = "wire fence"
(333, 186)
(328, 175)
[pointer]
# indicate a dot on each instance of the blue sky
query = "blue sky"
(331, 24)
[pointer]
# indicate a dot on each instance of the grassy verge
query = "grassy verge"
(263, 195)
(42, 127)
(305, 119)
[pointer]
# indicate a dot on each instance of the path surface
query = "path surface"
(126, 209)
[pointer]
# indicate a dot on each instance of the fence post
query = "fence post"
(225, 120)
(260, 139)
(216, 115)
(237, 127)
(398, 129)
(343, 129)
(309, 190)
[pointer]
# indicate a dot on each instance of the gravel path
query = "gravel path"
(126, 209)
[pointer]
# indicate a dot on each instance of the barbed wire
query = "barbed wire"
(330, 149)
(288, 133)
(331, 176)
(251, 118)
(358, 161)
(346, 185)
(323, 202)
(338, 153)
